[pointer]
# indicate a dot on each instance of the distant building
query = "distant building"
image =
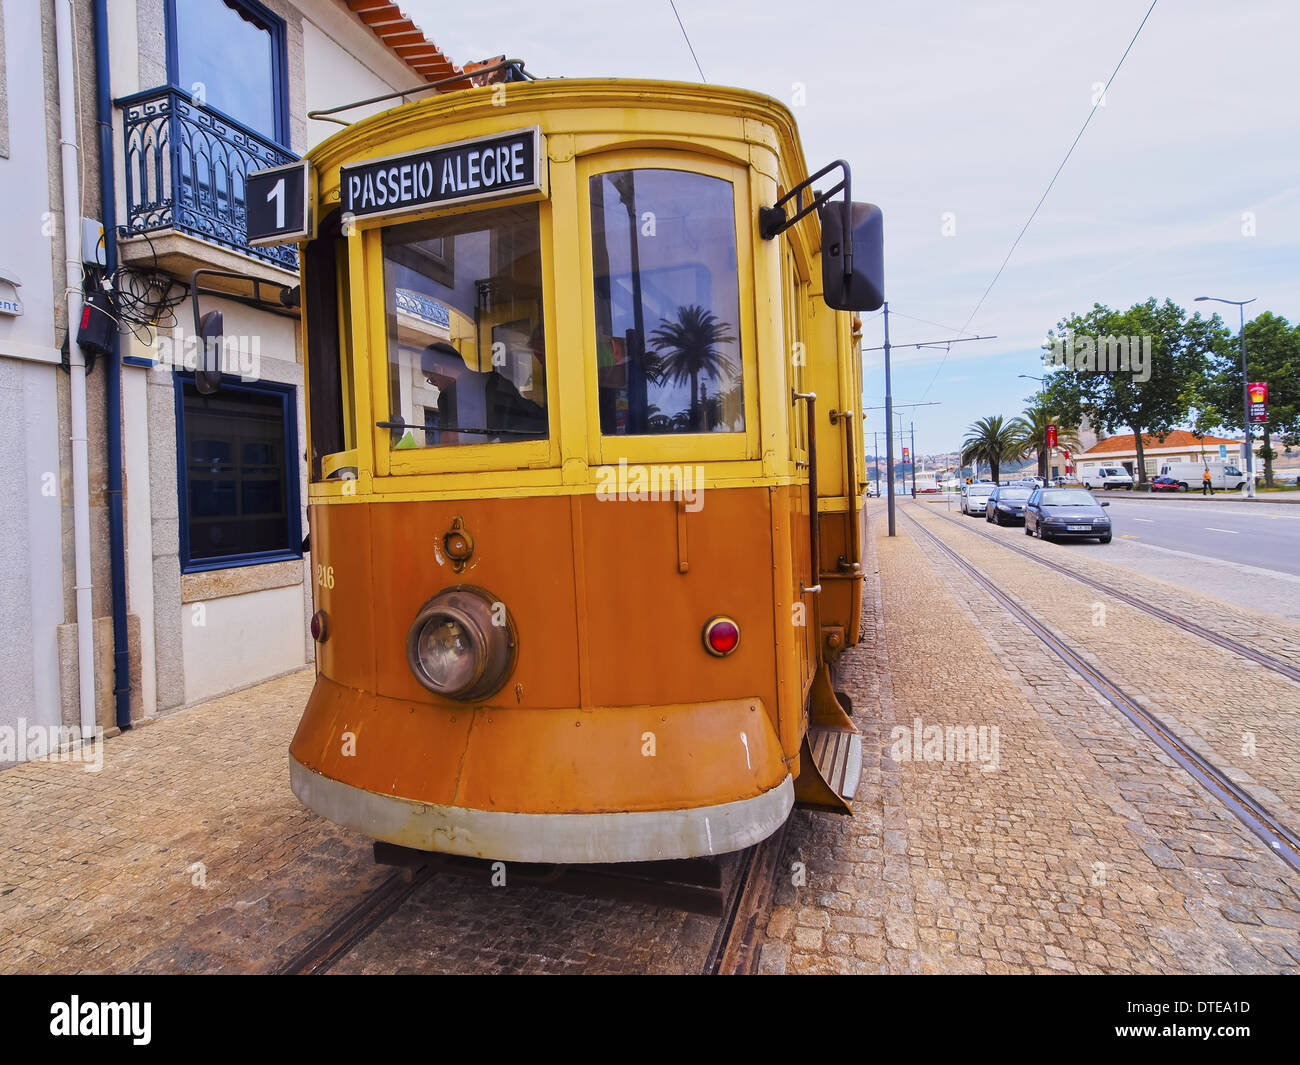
(1178, 445)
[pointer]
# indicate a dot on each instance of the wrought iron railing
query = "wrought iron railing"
(186, 166)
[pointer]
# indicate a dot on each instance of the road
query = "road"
(1245, 553)
(1266, 536)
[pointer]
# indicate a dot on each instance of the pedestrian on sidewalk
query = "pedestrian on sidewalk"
(1206, 484)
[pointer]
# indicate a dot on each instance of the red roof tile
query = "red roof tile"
(1173, 438)
(406, 40)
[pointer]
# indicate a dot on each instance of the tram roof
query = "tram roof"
(546, 94)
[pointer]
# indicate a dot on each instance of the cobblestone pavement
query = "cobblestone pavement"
(186, 853)
(458, 925)
(1244, 718)
(1260, 627)
(98, 871)
(1086, 850)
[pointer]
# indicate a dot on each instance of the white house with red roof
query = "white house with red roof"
(1177, 445)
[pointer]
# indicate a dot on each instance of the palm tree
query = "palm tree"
(689, 349)
(994, 441)
(1033, 425)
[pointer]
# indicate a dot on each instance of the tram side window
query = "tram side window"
(329, 358)
(466, 335)
(667, 303)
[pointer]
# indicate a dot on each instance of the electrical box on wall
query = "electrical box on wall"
(95, 334)
(92, 242)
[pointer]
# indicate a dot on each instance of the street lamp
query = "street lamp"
(1245, 396)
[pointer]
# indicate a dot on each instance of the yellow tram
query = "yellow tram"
(585, 470)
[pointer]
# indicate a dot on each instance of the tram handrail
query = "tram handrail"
(814, 519)
(851, 564)
(324, 113)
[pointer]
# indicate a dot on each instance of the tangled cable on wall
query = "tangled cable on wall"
(145, 300)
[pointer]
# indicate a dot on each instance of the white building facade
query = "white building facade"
(32, 481)
(214, 583)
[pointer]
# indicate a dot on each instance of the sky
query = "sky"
(954, 117)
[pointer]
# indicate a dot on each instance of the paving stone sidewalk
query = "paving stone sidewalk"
(188, 853)
(1086, 850)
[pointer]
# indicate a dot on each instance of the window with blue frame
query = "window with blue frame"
(237, 474)
(230, 55)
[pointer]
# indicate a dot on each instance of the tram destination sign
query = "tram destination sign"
(503, 164)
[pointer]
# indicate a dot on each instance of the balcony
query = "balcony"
(185, 170)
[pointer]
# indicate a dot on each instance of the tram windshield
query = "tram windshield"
(667, 303)
(466, 342)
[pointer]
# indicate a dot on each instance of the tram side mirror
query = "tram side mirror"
(207, 376)
(860, 287)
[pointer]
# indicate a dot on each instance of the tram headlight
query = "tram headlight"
(462, 644)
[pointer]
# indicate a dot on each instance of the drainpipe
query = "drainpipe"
(76, 362)
(113, 374)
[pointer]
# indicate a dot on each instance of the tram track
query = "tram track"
(737, 942)
(1278, 837)
(734, 949)
(1286, 669)
(320, 955)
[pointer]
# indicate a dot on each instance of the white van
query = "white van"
(1224, 476)
(1100, 475)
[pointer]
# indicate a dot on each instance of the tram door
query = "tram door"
(794, 294)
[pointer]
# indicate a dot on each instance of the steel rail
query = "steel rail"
(1280, 839)
(1291, 672)
(322, 952)
(738, 939)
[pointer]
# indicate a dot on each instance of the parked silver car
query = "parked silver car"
(974, 496)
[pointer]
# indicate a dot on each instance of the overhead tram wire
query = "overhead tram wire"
(926, 321)
(687, 36)
(1043, 197)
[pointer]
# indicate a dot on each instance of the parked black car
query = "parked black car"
(1006, 506)
(1053, 513)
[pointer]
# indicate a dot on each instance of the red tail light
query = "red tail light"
(721, 636)
(319, 628)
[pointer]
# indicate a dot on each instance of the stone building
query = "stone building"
(177, 542)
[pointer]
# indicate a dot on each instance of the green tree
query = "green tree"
(1150, 397)
(1033, 425)
(1272, 356)
(994, 441)
(689, 350)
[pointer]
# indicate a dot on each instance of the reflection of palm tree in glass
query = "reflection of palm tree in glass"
(725, 407)
(689, 349)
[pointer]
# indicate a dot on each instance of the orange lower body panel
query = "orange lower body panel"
(604, 760)
(617, 735)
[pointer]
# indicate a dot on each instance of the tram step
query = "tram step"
(838, 757)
